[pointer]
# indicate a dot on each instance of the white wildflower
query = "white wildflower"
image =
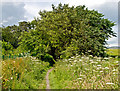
(72, 57)
(75, 60)
(99, 65)
(101, 71)
(11, 78)
(114, 73)
(106, 68)
(91, 60)
(103, 60)
(98, 60)
(95, 57)
(106, 58)
(66, 60)
(82, 75)
(86, 69)
(95, 71)
(69, 59)
(79, 78)
(98, 68)
(110, 57)
(21, 53)
(98, 75)
(82, 57)
(110, 83)
(87, 57)
(80, 60)
(94, 62)
(113, 70)
(89, 50)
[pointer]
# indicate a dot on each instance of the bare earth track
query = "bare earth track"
(47, 78)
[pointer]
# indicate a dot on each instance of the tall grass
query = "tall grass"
(85, 72)
(24, 73)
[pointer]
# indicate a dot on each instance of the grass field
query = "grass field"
(114, 52)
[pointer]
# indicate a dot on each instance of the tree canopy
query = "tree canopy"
(64, 32)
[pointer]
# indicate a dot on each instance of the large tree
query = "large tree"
(65, 31)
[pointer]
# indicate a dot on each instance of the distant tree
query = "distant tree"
(65, 31)
(11, 34)
(8, 36)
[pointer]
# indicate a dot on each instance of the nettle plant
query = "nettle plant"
(65, 31)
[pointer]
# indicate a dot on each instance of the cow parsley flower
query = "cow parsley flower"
(110, 83)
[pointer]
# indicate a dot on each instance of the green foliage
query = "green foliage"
(7, 51)
(33, 42)
(6, 46)
(48, 58)
(11, 34)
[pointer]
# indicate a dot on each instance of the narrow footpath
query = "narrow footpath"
(47, 78)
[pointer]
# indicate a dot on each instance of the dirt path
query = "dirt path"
(47, 78)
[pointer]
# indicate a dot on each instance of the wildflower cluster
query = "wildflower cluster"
(87, 72)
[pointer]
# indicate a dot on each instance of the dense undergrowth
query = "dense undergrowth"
(24, 73)
(85, 72)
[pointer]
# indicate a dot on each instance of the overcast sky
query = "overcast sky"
(14, 11)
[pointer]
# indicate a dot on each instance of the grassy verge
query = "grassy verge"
(24, 73)
(83, 72)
